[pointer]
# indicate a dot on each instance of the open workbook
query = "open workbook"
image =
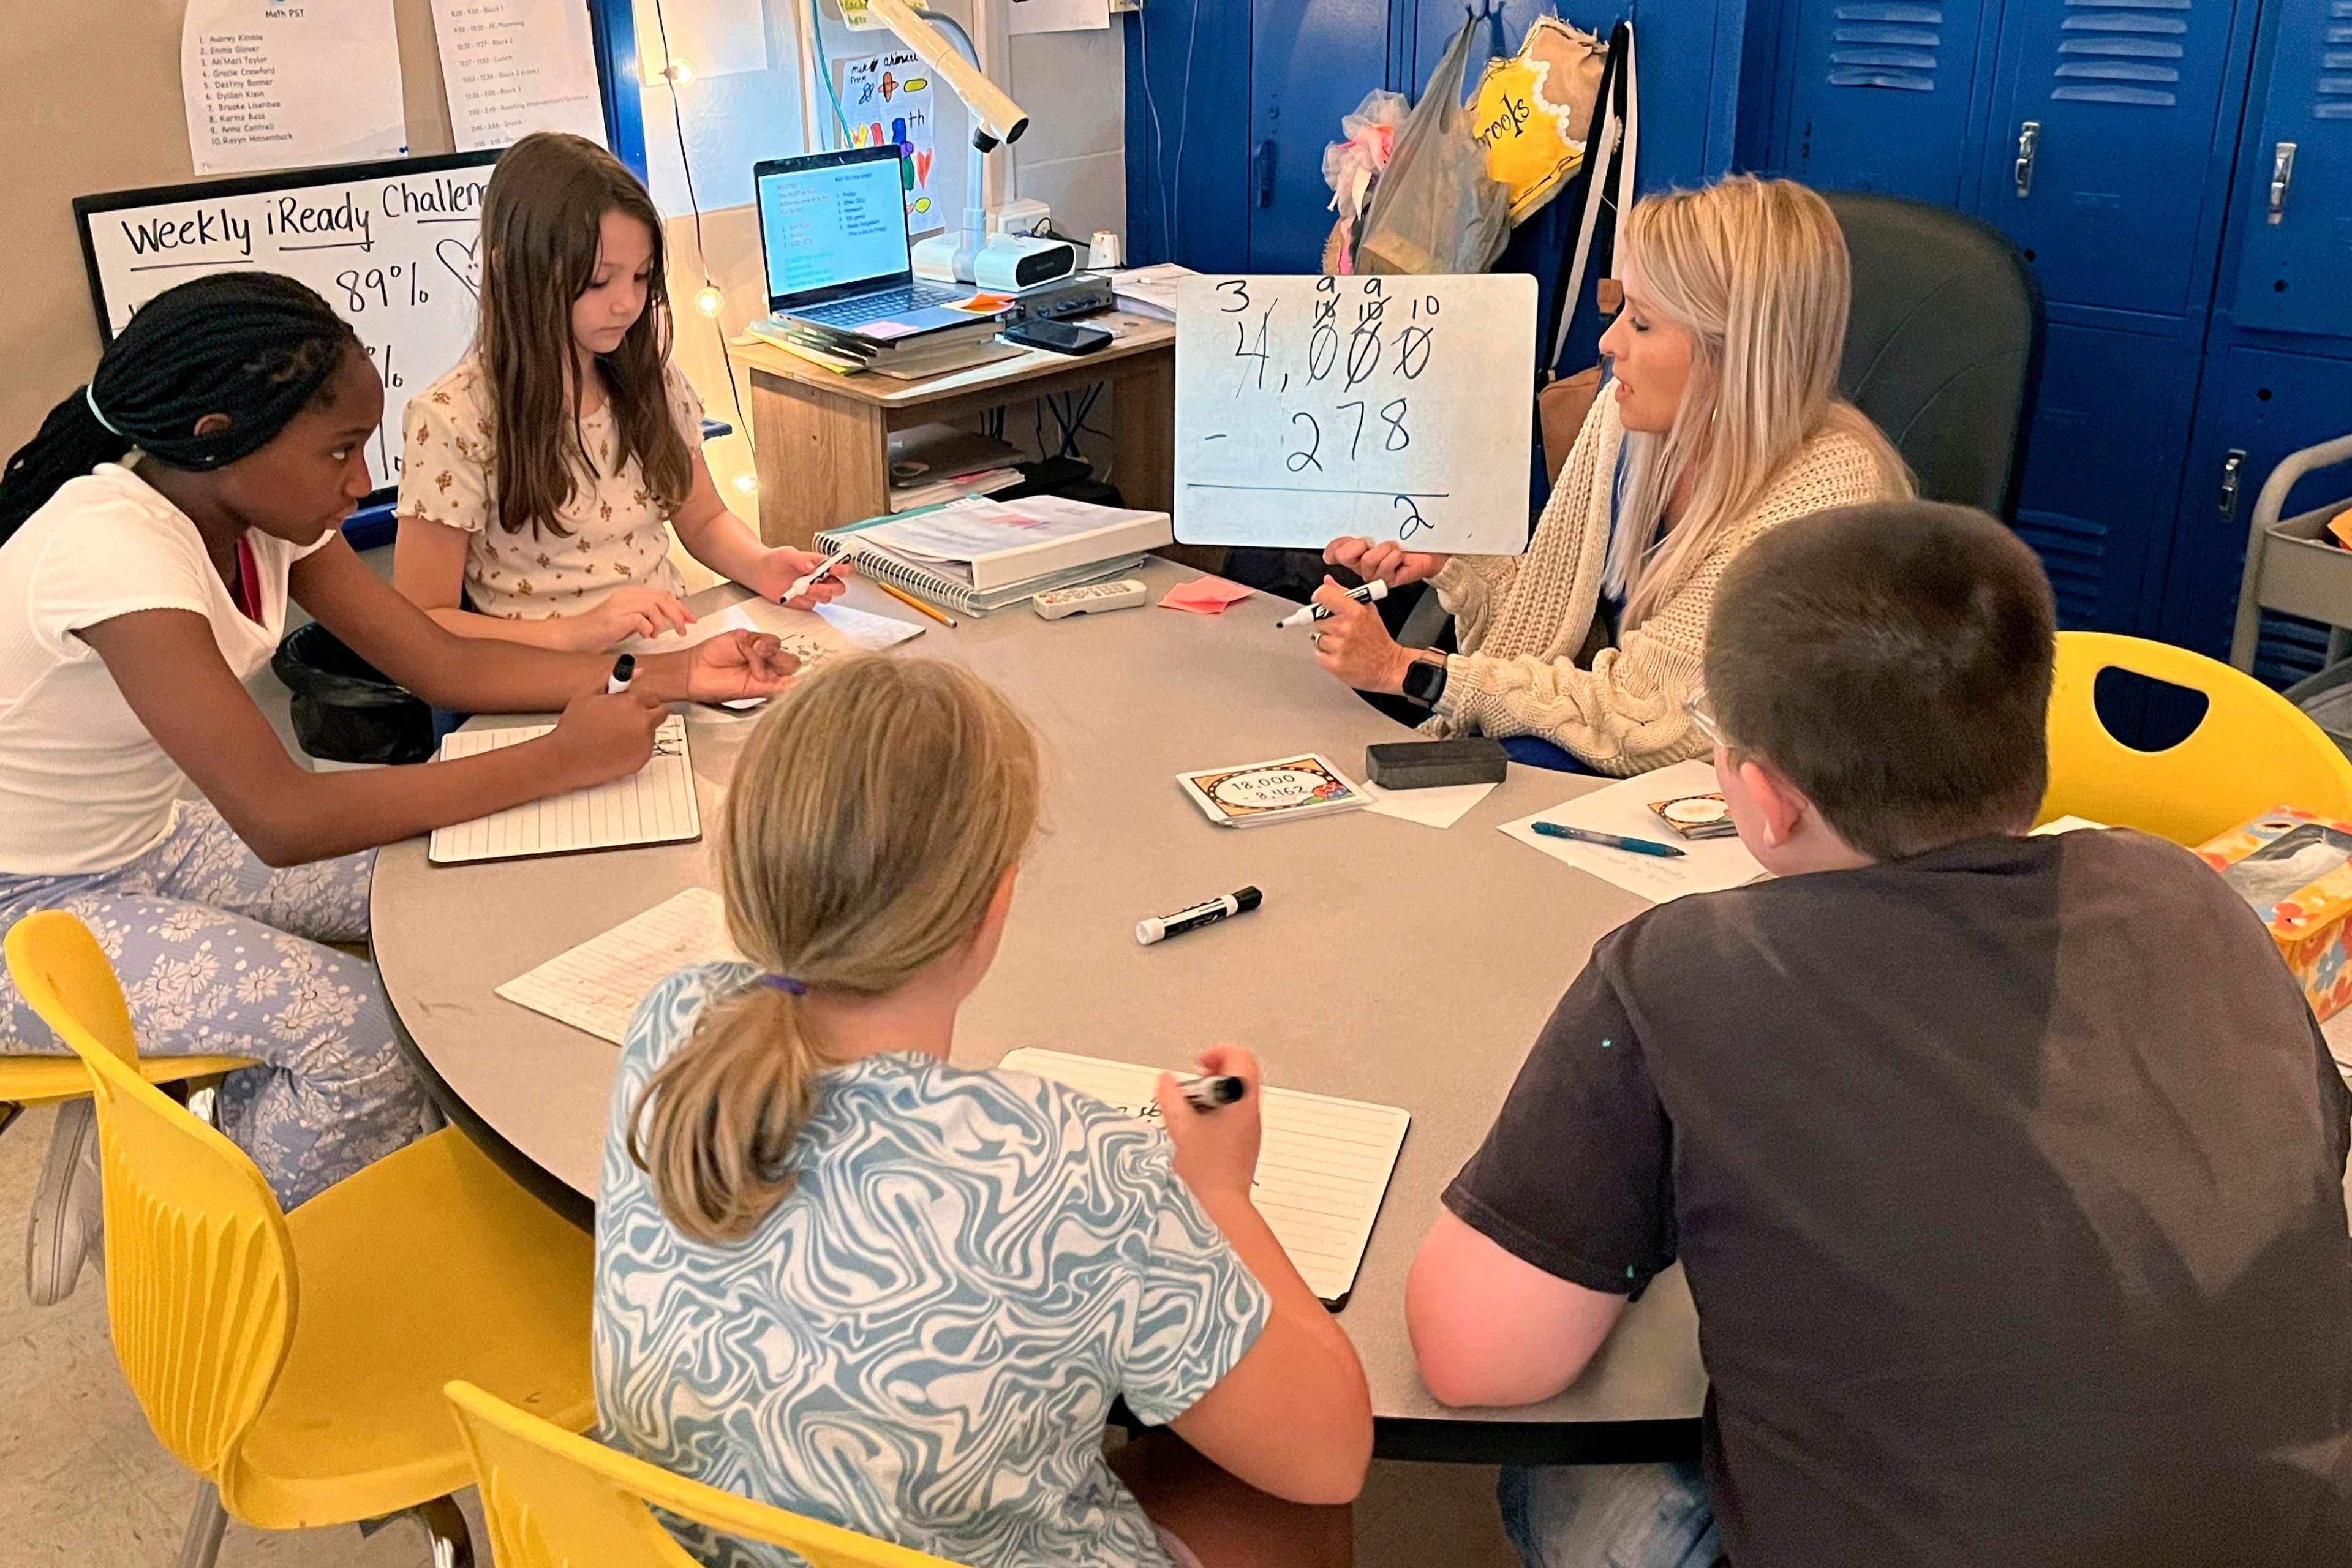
(1322, 1169)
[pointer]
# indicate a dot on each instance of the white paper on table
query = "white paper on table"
(513, 67)
(597, 985)
(810, 635)
(1060, 16)
(2057, 824)
(1323, 1164)
(655, 804)
(285, 87)
(1441, 806)
(1706, 866)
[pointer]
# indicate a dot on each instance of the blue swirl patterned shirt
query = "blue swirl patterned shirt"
(923, 1340)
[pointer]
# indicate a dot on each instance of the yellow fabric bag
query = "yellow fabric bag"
(1531, 110)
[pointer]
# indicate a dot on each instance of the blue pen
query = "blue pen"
(1606, 840)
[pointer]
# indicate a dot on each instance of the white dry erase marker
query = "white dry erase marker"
(1208, 1093)
(1154, 927)
(802, 584)
(1371, 593)
(624, 669)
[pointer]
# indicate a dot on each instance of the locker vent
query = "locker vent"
(2333, 100)
(1888, 46)
(2074, 551)
(2115, 51)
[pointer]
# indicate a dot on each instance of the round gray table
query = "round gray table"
(1390, 962)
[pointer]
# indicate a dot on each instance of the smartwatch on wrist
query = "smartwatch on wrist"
(1424, 679)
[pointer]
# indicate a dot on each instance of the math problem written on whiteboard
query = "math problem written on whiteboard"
(1399, 407)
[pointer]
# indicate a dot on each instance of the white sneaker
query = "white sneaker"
(68, 1213)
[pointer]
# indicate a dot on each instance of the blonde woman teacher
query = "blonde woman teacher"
(1720, 421)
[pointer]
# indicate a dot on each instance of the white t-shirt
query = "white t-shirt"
(83, 786)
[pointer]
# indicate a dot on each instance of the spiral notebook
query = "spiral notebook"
(1118, 544)
(1323, 1164)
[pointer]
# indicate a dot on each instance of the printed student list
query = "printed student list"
(285, 86)
(514, 67)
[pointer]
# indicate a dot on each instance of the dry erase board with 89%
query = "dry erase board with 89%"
(393, 246)
(1390, 406)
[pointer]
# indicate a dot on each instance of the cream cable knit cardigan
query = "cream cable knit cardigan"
(1521, 620)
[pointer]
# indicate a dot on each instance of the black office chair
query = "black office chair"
(1943, 348)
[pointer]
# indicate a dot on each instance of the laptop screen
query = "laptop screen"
(830, 226)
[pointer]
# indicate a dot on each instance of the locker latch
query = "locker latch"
(1263, 157)
(2028, 144)
(2233, 468)
(2282, 177)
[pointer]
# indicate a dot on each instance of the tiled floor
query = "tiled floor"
(82, 1480)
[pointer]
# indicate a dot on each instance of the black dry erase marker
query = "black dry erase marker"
(1208, 1093)
(1153, 927)
(624, 669)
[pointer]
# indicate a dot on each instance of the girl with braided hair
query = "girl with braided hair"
(153, 536)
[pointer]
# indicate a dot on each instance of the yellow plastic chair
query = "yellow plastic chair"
(2253, 752)
(28, 1080)
(296, 1361)
(555, 1500)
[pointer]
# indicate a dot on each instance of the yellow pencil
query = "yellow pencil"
(906, 598)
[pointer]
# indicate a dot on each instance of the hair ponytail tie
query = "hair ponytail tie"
(785, 984)
(90, 396)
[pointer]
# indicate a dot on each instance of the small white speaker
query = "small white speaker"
(1017, 261)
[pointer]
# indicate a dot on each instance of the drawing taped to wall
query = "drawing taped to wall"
(886, 99)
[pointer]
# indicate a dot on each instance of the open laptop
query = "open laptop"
(833, 233)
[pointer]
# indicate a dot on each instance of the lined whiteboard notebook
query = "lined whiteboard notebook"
(1322, 1169)
(597, 985)
(653, 805)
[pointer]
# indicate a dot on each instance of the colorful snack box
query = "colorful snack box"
(2295, 870)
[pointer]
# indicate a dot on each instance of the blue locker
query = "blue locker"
(2103, 467)
(2295, 201)
(2264, 405)
(1313, 61)
(1188, 133)
(1880, 95)
(2108, 114)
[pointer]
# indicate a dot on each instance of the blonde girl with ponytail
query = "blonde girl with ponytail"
(1720, 421)
(837, 1274)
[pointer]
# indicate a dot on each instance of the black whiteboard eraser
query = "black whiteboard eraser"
(1426, 764)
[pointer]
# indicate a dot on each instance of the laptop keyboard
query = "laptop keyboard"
(866, 308)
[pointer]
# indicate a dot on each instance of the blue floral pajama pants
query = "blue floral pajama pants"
(219, 953)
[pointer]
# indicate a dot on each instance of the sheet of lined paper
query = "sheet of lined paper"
(653, 805)
(1322, 1168)
(597, 985)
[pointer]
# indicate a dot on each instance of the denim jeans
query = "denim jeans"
(1609, 1516)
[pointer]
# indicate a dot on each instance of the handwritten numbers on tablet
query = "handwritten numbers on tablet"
(1309, 408)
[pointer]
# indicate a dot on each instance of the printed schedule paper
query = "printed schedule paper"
(1322, 1169)
(597, 985)
(653, 805)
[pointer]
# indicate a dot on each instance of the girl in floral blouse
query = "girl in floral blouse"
(542, 477)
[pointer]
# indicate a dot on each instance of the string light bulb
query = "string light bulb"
(710, 301)
(677, 72)
(747, 482)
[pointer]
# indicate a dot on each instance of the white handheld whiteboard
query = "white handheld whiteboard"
(391, 246)
(1394, 408)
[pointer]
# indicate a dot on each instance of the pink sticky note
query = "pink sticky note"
(1205, 596)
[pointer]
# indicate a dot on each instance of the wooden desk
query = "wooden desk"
(823, 437)
(1391, 963)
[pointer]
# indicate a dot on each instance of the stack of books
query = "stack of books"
(975, 555)
(933, 464)
(908, 359)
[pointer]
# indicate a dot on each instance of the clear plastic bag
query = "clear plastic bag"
(1436, 209)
